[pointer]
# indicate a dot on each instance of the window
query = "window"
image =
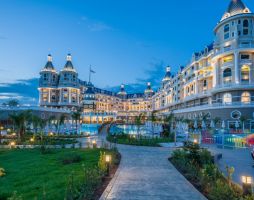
(226, 31)
(245, 57)
(227, 76)
(227, 59)
(245, 27)
(236, 114)
(245, 98)
(245, 74)
(205, 83)
(227, 98)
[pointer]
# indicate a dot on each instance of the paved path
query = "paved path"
(146, 174)
(240, 159)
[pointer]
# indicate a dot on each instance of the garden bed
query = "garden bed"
(197, 165)
(55, 173)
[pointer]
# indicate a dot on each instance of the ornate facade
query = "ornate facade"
(218, 82)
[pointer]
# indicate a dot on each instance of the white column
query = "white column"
(236, 55)
(196, 86)
(49, 97)
(69, 93)
(215, 73)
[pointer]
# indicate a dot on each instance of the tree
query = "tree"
(138, 122)
(243, 119)
(169, 121)
(13, 103)
(76, 117)
(60, 123)
(20, 120)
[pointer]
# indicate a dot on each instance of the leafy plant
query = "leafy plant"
(71, 158)
(2, 172)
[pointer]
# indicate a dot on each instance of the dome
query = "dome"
(68, 65)
(168, 74)
(49, 65)
(148, 88)
(235, 7)
(122, 90)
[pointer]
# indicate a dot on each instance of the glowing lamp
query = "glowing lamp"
(108, 158)
(246, 180)
(247, 185)
(195, 141)
(32, 139)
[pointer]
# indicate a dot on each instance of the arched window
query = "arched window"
(245, 74)
(245, 27)
(245, 98)
(227, 98)
(227, 75)
(245, 23)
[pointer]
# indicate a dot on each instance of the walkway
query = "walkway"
(146, 174)
(240, 159)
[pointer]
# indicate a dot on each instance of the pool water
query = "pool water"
(90, 129)
(128, 129)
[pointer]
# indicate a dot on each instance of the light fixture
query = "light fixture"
(32, 139)
(12, 144)
(247, 185)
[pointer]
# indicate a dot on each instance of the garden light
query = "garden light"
(94, 144)
(195, 141)
(32, 139)
(247, 185)
(108, 160)
(12, 144)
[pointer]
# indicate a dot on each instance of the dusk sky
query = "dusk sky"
(125, 41)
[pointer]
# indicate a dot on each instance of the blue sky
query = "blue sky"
(125, 41)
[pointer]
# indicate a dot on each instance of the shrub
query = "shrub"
(2, 172)
(222, 191)
(70, 158)
(15, 196)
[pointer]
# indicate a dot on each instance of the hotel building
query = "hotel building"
(218, 81)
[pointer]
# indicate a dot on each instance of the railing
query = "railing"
(37, 108)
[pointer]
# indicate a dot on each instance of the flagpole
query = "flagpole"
(89, 74)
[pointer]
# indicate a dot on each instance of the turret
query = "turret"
(149, 91)
(167, 76)
(122, 91)
(48, 75)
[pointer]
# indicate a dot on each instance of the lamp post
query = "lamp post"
(247, 185)
(108, 160)
(94, 144)
(12, 144)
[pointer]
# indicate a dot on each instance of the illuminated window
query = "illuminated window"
(227, 59)
(227, 98)
(245, 74)
(245, 98)
(227, 76)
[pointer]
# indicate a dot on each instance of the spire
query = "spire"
(122, 90)
(49, 65)
(148, 88)
(68, 66)
(235, 7)
(167, 76)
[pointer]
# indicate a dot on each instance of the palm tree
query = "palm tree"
(60, 123)
(138, 122)
(169, 120)
(20, 120)
(76, 117)
(13, 103)
(243, 119)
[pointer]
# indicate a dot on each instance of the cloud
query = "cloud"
(23, 90)
(154, 75)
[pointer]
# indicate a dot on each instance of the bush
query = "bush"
(2, 172)
(222, 191)
(71, 158)
(15, 196)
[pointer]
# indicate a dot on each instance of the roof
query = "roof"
(68, 65)
(235, 7)
(49, 64)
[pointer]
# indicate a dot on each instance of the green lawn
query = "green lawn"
(142, 141)
(31, 173)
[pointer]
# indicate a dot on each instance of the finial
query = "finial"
(50, 58)
(122, 86)
(168, 69)
(149, 84)
(69, 57)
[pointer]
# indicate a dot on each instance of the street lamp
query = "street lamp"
(195, 141)
(12, 144)
(108, 160)
(247, 185)
(94, 144)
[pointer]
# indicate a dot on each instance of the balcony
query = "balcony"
(232, 86)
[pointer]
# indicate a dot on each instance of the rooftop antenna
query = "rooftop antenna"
(90, 72)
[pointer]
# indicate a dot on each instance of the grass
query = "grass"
(142, 141)
(31, 173)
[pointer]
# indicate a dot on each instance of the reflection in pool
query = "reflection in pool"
(90, 129)
(129, 129)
